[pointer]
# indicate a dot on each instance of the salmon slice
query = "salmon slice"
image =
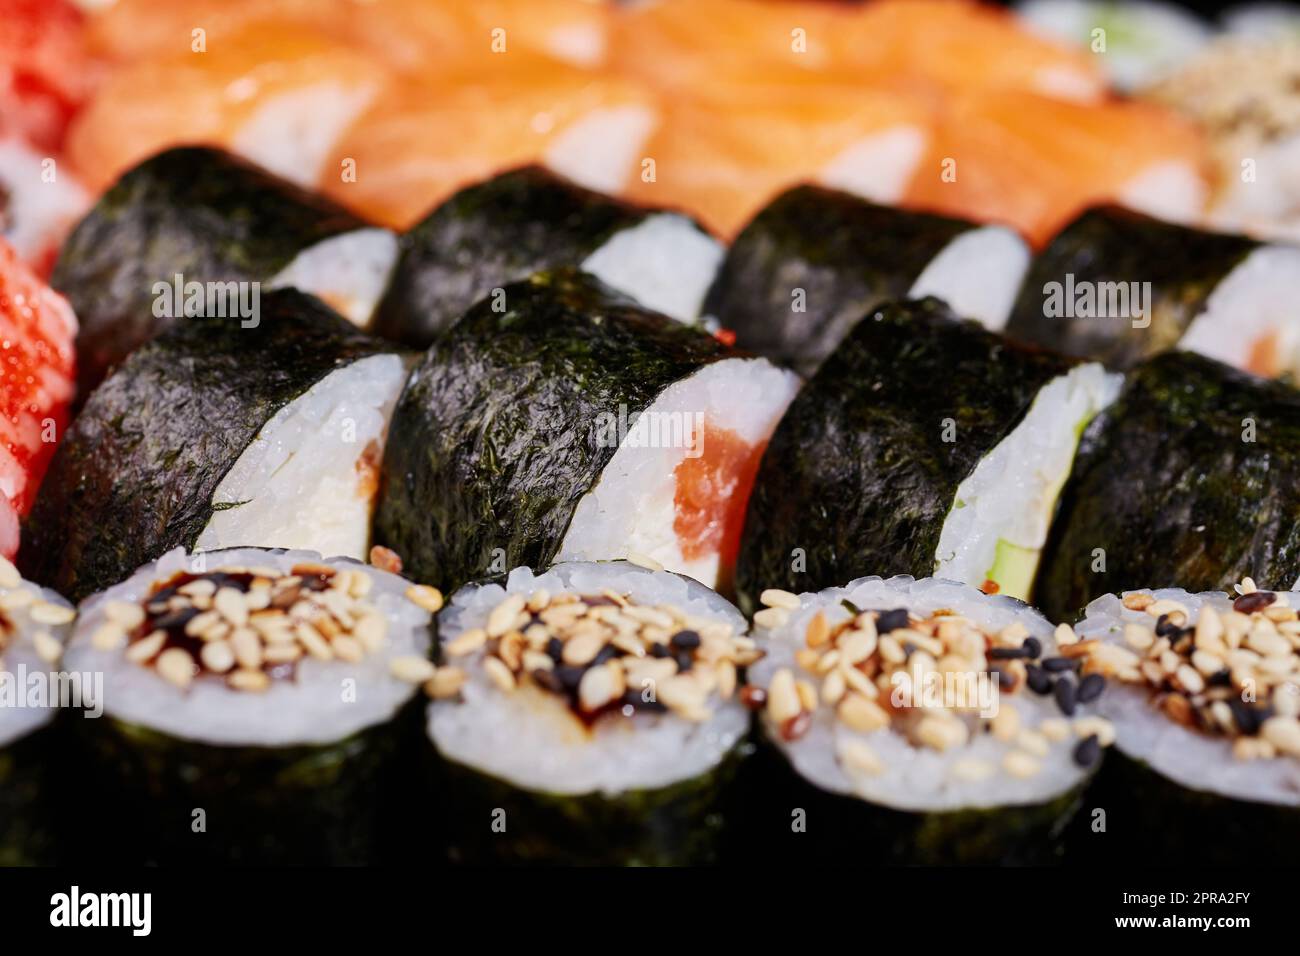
(957, 45)
(725, 162)
(1033, 162)
(444, 132)
(36, 386)
(276, 94)
(407, 35)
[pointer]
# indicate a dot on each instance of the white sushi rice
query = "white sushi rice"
(531, 738)
(1254, 305)
(1009, 499)
(1187, 757)
(601, 149)
(914, 778)
(978, 274)
(309, 478)
(324, 702)
(632, 508)
(20, 658)
(877, 167)
(41, 203)
(349, 272)
(665, 262)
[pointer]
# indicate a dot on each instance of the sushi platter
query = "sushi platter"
(661, 433)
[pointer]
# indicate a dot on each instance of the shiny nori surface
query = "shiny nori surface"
(1109, 244)
(200, 212)
(135, 474)
(320, 805)
(489, 235)
(858, 474)
(1167, 486)
(848, 255)
(488, 820)
(499, 432)
(791, 820)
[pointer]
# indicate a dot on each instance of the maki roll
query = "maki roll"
(925, 445)
(586, 715)
(33, 626)
(813, 262)
(1117, 286)
(249, 703)
(574, 425)
(214, 435)
(1204, 697)
(920, 721)
(1191, 476)
(526, 220)
(198, 215)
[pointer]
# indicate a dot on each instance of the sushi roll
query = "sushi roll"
(214, 435)
(587, 715)
(250, 706)
(198, 215)
(924, 445)
(36, 386)
(1144, 41)
(34, 623)
(920, 721)
(815, 261)
(526, 220)
(1117, 286)
(1191, 476)
(559, 421)
(1204, 698)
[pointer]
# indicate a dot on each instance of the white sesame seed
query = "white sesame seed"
(47, 647)
(502, 618)
(423, 596)
(858, 756)
(217, 656)
(175, 666)
(1020, 764)
(467, 643)
(230, 604)
(644, 561)
(775, 597)
(145, 648)
(412, 669)
(1283, 733)
(499, 673)
(771, 617)
(253, 681)
(109, 636)
(125, 614)
(446, 682)
(782, 696)
(44, 612)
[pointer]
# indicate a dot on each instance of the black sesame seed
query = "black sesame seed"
(1247, 718)
(547, 680)
(685, 661)
(1032, 647)
(1005, 680)
(176, 620)
(1064, 692)
(1220, 678)
(1056, 665)
(1254, 601)
(1088, 752)
(685, 640)
(1006, 653)
(892, 620)
(605, 653)
(569, 676)
(1090, 688)
(555, 649)
(909, 648)
(660, 650)
(1039, 681)
(1163, 626)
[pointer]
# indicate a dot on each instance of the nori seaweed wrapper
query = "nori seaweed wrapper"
(1109, 244)
(29, 831)
(835, 828)
(487, 820)
(849, 257)
(486, 236)
(321, 805)
(199, 212)
(1166, 483)
(858, 473)
(498, 434)
(136, 471)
